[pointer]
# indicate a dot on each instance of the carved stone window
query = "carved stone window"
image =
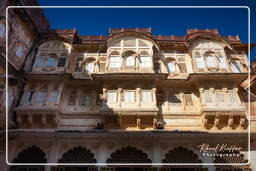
(208, 96)
(171, 67)
(235, 67)
(219, 96)
(129, 155)
(112, 96)
(210, 60)
(233, 157)
(30, 155)
(182, 65)
(129, 96)
(114, 61)
(89, 66)
(53, 96)
(181, 155)
(146, 96)
(221, 61)
(78, 155)
(199, 60)
(26, 98)
(41, 96)
(40, 62)
(232, 96)
(144, 61)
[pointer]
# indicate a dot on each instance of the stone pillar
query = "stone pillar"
(102, 153)
(78, 93)
(154, 96)
(137, 94)
(213, 96)
(119, 96)
(237, 96)
(36, 89)
(54, 153)
(48, 93)
(201, 91)
(166, 104)
(183, 106)
(156, 156)
(104, 97)
(60, 89)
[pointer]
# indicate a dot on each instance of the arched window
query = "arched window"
(210, 60)
(235, 67)
(41, 95)
(114, 59)
(62, 60)
(129, 57)
(129, 61)
(51, 60)
(89, 66)
(221, 61)
(199, 60)
(171, 67)
(54, 95)
(32, 154)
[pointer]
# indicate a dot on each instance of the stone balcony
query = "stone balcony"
(225, 120)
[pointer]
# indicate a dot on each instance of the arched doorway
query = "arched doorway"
(129, 155)
(76, 155)
(182, 155)
(30, 155)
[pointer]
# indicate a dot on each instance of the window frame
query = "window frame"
(145, 65)
(50, 96)
(43, 94)
(142, 97)
(113, 64)
(116, 97)
(84, 101)
(130, 99)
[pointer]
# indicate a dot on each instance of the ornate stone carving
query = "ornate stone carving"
(181, 155)
(129, 155)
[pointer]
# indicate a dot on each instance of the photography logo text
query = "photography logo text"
(220, 150)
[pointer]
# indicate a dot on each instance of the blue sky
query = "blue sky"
(228, 21)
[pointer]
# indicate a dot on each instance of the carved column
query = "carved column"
(182, 101)
(213, 95)
(166, 100)
(225, 91)
(237, 96)
(201, 91)
(230, 121)
(104, 97)
(36, 89)
(60, 89)
(78, 93)
(48, 93)
(138, 122)
(119, 96)
(154, 96)
(138, 90)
